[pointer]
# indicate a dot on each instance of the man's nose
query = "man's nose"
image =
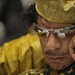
(53, 43)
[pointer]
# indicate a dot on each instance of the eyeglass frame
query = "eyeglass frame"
(58, 30)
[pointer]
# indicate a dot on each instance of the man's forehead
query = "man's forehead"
(47, 24)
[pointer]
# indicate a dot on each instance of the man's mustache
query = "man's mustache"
(55, 53)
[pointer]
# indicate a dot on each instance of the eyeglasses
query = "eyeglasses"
(61, 33)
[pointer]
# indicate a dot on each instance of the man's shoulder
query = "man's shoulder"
(23, 40)
(22, 46)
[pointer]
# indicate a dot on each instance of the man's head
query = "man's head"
(55, 29)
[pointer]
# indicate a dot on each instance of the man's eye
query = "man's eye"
(42, 33)
(68, 33)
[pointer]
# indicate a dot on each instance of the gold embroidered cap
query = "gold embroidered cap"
(60, 11)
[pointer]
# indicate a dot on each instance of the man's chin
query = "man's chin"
(57, 67)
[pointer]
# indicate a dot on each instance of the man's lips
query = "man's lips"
(56, 58)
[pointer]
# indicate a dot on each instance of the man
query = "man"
(54, 24)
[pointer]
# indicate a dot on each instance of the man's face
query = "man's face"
(55, 49)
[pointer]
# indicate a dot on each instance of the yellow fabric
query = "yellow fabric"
(35, 72)
(68, 4)
(39, 72)
(20, 55)
(60, 11)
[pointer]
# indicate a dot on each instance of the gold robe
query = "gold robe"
(21, 55)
